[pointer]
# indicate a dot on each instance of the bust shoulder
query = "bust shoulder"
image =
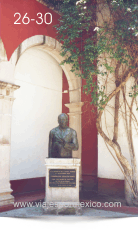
(68, 129)
(52, 131)
(71, 130)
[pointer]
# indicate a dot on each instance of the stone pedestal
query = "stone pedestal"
(62, 186)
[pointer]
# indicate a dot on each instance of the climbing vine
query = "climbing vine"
(84, 41)
(100, 41)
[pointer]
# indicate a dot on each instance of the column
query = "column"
(6, 102)
(75, 123)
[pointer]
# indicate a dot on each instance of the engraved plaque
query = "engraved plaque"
(62, 177)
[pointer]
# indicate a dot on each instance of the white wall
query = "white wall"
(7, 71)
(107, 167)
(35, 110)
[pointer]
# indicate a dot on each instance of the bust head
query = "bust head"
(63, 120)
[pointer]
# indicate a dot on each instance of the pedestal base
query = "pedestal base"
(5, 189)
(62, 186)
(6, 199)
(62, 208)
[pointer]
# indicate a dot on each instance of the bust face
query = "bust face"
(63, 120)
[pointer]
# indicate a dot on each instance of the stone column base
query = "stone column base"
(62, 208)
(6, 199)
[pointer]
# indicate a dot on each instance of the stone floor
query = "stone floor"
(122, 211)
(33, 218)
(90, 218)
(86, 214)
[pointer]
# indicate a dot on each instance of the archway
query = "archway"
(52, 47)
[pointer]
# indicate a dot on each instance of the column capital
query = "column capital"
(4, 85)
(75, 104)
(7, 89)
(74, 107)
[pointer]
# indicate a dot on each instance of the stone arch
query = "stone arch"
(53, 47)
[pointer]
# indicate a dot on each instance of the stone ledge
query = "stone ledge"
(4, 85)
(63, 161)
(6, 199)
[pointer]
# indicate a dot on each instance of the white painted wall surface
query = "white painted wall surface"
(7, 71)
(107, 167)
(35, 110)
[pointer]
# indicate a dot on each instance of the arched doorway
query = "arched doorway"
(52, 47)
(32, 70)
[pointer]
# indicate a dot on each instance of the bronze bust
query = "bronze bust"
(62, 139)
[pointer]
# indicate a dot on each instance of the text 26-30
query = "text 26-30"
(46, 18)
